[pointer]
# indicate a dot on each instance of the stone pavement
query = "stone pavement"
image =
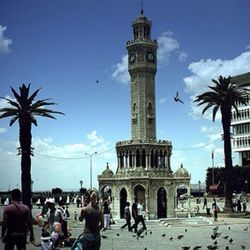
(196, 231)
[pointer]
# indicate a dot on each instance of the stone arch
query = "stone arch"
(106, 193)
(181, 189)
(123, 199)
(161, 203)
(139, 193)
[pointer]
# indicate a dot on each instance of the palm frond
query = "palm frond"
(31, 98)
(13, 120)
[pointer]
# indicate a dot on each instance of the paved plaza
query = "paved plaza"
(163, 234)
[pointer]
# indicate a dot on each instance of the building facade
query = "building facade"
(241, 125)
(143, 163)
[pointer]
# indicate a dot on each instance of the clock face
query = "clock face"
(151, 57)
(132, 58)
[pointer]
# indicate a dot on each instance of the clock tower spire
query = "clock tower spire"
(142, 67)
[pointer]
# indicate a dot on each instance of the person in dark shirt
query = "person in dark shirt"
(17, 222)
(135, 216)
(93, 216)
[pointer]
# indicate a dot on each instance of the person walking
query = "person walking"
(215, 209)
(205, 200)
(127, 216)
(141, 210)
(135, 215)
(50, 215)
(106, 215)
(93, 216)
(17, 221)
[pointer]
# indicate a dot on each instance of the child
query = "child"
(46, 242)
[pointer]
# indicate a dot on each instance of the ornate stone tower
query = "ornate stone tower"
(142, 67)
(143, 169)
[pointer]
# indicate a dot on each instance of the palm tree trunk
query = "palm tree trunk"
(25, 144)
(226, 124)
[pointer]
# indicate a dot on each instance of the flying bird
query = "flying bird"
(179, 237)
(177, 99)
(97, 81)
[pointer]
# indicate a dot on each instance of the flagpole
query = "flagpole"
(212, 167)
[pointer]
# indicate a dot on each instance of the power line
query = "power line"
(72, 158)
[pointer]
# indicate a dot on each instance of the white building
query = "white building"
(241, 125)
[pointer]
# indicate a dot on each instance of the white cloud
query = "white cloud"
(50, 161)
(3, 130)
(4, 42)
(183, 56)
(167, 44)
(94, 138)
(248, 47)
(162, 100)
(203, 71)
(121, 70)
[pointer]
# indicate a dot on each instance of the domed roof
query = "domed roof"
(181, 172)
(107, 172)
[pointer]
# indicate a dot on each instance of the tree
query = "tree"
(24, 109)
(225, 95)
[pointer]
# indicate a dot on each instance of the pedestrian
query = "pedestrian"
(215, 209)
(61, 216)
(238, 206)
(50, 215)
(106, 215)
(205, 201)
(75, 215)
(244, 205)
(17, 221)
(135, 215)
(86, 198)
(141, 210)
(93, 216)
(127, 216)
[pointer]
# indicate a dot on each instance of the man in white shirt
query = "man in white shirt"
(140, 210)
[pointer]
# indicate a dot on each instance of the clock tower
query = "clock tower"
(143, 163)
(142, 67)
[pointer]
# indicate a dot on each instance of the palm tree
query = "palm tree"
(24, 109)
(225, 95)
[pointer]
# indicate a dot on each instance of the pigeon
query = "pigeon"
(104, 236)
(215, 229)
(118, 234)
(231, 241)
(150, 232)
(212, 247)
(185, 248)
(245, 229)
(197, 247)
(171, 238)
(227, 247)
(179, 237)
(134, 235)
(225, 237)
(215, 243)
(163, 235)
(243, 246)
(186, 230)
(145, 248)
(229, 228)
(177, 99)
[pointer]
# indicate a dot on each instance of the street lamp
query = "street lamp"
(90, 167)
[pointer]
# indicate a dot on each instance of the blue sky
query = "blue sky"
(65, 46)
